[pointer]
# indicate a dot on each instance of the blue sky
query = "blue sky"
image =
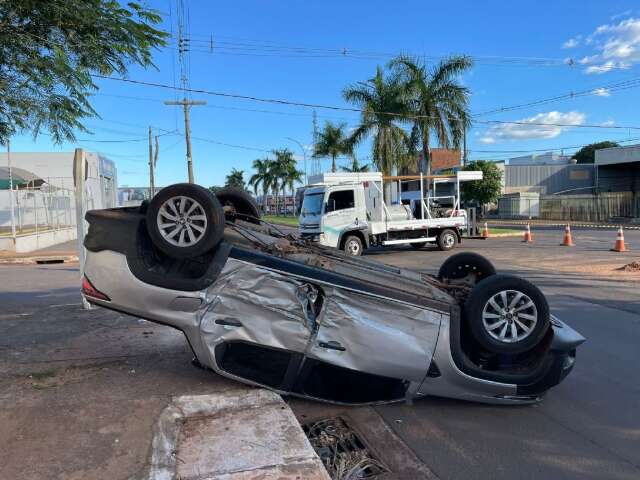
(285, 50)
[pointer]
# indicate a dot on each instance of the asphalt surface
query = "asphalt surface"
(587, 427)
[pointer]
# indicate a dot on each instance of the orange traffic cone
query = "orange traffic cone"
(528, 236)
(485, 231)
(619, 245)
(567, 241)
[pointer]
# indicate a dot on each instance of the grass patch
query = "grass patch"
(495, 231)
(39, 376)
(281, 219)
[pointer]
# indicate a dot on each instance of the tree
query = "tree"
(488, 189)
(235, 179)
(285, 170)
(355, 166)
(262, 178)
(587, 154)
(435, 100)
(383, 107)
(49, 50)
(332, 141)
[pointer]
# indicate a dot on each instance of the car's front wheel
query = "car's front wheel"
(507, 314)
(185, 220)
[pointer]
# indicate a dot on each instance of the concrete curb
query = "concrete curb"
(236, 434)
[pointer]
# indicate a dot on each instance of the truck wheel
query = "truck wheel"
(507, 314)
(353, 246)
(238, 204)
(185, 220)
(466, 264)
(447, 239)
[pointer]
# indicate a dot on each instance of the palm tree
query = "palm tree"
(284, 168)
(332, 141)
(262, 178)
(355, 166)
(383, 107)
(436, 100)
(235, 179)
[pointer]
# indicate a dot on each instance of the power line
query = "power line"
(348, 109)
(611, 87)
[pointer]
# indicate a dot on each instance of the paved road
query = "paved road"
(589, 426)
(114, 373)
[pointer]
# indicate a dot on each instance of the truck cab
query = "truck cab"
(348, 211)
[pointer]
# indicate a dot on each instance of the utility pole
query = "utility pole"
(464, 143)
(151, 173)
(187, 104)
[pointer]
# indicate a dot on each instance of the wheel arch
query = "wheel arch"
(358, 232)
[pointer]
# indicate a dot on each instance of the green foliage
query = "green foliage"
(332, 142)
(235, 179)
(355, 166)
(276, 175)
(488, 189)
(215, 189)
(50, 48)
(587, 154)
(378, 97)
(435, 101)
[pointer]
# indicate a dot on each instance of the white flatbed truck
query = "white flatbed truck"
(348, 211)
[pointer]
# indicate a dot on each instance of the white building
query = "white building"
(56, 169)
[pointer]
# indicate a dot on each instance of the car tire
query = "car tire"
(507, 314)
(352, 246)
(447, 239)
(238, 204)
(463, 264)
(185, 220)
(418, 246)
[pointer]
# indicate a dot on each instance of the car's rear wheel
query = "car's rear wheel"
(507, 314)
(466, 266)
(238, 204)
(353, 246)
(185, 220)
(447, 239)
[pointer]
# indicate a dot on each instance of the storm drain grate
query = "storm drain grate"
(343, 453)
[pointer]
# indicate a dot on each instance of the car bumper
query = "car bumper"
(455, 377)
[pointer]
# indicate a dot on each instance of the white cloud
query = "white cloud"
(572, 42)
(615, 46)
(601, 92)
(531, 128)
(626, 13)
(608, 123)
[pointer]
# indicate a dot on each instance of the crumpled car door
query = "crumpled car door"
(368, 349)
(257, 326)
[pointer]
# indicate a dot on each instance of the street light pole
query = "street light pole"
(13, 219)
(187, 104)
(304, 156)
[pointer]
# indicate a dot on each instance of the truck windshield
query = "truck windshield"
(312, 204)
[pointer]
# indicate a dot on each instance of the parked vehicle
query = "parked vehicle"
(348, 211)
(266, 308)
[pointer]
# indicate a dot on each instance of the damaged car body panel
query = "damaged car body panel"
(265, 308)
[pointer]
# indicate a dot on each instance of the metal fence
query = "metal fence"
(36, 210)
(585, 208)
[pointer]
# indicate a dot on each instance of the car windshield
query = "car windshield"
(312, 204)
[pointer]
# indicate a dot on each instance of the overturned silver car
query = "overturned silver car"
(260, 306)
